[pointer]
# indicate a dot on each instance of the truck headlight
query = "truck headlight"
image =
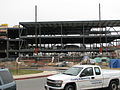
(54, 83)
(58, 83)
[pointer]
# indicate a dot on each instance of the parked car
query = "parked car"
(84, 77)
(6, 80)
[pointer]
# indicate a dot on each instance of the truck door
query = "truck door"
(88, 79)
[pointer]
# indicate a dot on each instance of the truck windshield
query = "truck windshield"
(73, 71)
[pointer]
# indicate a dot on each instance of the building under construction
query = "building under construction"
(9, 42)
(89, 36)
(63, 37)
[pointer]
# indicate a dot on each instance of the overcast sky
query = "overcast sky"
(14, 11)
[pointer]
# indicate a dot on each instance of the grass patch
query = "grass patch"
(23, 72)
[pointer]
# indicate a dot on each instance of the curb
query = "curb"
(33, 77)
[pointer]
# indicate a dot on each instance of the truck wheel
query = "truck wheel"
(69, 87)
(113, 86)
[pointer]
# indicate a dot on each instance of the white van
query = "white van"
(6, 80)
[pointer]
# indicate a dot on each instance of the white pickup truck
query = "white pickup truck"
(84, 77)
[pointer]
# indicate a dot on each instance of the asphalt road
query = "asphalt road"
(31, 84)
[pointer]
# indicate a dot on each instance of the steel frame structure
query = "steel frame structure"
(53, 37)
(90, 36)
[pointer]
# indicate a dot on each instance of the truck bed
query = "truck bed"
(111, 72)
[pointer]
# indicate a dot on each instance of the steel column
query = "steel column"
(61, 37)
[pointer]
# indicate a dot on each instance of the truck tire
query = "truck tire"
(113, 85)
(69, 87)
